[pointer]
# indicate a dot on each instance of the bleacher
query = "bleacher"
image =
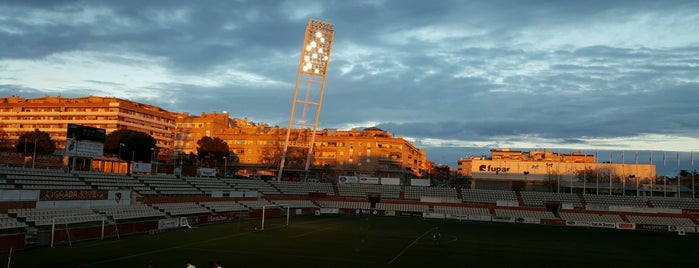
(616, 200)
(416, 192)
(296, 203)
(302, 188)
(224, 206)
(193, 187)
(660, 220)
(590, 217)
(363, 190)
(34, 171)
(539, 199)
(180, 209)
(46, 216)
(208, 185)
(345, 204)
(5, 185)
(112, 181)
(518, 213)
(169, 185)
(252, 185)
(255, 204)
(462, 210)
(487, 196)
(402, 207)
(8, 223)
(38, 182)
(673, 202)
(131, 212)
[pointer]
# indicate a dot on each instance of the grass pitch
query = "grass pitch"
(372, 241)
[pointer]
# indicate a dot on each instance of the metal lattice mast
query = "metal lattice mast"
(313, 67)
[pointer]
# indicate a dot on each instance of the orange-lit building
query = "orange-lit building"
(505, 167)
(257, 147)
(53, 114)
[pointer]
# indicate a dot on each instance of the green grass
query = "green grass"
(371, 241)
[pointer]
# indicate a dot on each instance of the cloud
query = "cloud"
(522, 74)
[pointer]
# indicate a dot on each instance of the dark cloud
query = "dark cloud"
(487, 72)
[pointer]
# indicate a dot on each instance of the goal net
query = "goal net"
(275, 216)
(69, 229)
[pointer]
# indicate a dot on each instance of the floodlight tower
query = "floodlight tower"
(313, 68)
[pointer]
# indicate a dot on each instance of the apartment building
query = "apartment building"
(52, 115)
(253, 145)
(258, 145)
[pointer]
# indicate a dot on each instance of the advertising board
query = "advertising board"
(347, 179)
(369, 180)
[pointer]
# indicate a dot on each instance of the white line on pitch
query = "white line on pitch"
(409, 246)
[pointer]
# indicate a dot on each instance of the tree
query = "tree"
(212, 150)
(586, 175)
(37, 139)
(5, 143)
(133, 145)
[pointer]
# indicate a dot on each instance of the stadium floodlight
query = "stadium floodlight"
(313, 69)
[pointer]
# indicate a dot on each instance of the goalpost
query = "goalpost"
(264, 209)
(64, 221)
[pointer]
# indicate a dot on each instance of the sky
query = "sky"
(457, 78)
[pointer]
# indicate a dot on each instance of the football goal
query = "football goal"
(280, 207)
(76, 228)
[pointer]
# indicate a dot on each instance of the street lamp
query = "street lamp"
(154, 156)
(120, 145)
(34, 153)
(225, 165)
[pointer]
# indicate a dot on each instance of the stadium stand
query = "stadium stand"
(590, 217)
(224, 206)
(45, 216)
(660, 220)
(487, 196)
(302, 188)
(673, 202)
(617, 200)
(416, 192)
(255, 204)
(112, 182)
(539, 199)
(29, 181)
(8, 223)
(251, 184)
(296, 203)
(345, 204)
(208, 185)
(169, 185)
(362, 190)
(462, 210)
(179, 209)
(131, 212)
(518, 213)
(5, 185)
(402, 207)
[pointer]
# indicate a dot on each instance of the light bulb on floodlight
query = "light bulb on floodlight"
(313, 44)
(305, 68)
(308, 48)
(319, 35)
(325, 58)
(322, 39)
(317, 71)
(320, 50)
(306, 58)
(315, 56)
